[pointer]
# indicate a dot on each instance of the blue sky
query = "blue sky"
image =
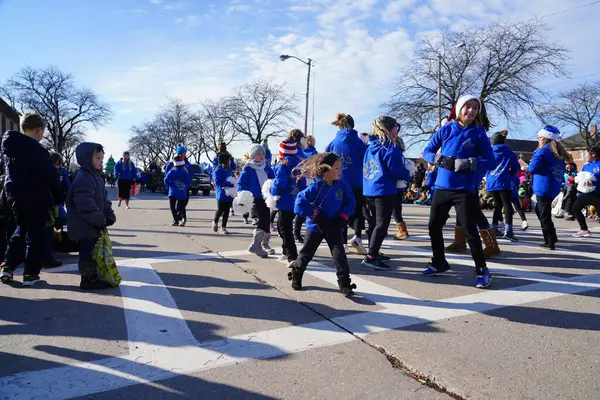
(136, 53)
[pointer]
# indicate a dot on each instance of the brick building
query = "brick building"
(9, 117)
(576, 145)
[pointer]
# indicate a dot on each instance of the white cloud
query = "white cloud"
(189, 21)
(236, 8)
(394, 9)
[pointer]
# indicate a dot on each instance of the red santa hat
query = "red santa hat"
(179, 161)
(288, 148)
(460, 103)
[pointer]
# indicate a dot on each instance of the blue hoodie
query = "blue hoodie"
(178, 181)
(309, 151)
(456, 141)
(250, 181)
(285, 184)
(383, 168)
(31, 179)
(594, 168)
(220, 177)
(430, 178)
(507, 166)
(547, 172)
(351, 149)
(188, 167)
(124, 172)
(330, 200)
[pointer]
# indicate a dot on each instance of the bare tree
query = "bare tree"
(68, 109)
(578, 108)
(218, 128)
(502, 63)
(261, 110)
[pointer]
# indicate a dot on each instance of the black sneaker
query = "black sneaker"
(299, 239)
(30, 280)
(375, 263)
(384, 257)
(549, 246)
(510, 236)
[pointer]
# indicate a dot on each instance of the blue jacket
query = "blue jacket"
(547, 172)
(249, 180)
(285, 184)
(177, 181)
(309, 151)
(383, 168)
(268, 156)
(456, 141)
(594, 168)
(507, 166)
(188, 167)
(90, 211)
(125, 173)
(220, 177)
(430, 178)
(31, 179)
(330, 200)
(348, 146)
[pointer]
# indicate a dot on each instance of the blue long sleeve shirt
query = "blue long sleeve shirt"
(547, 172)
(383, 168)
(178, 181)
(285, 185)
(351, 149)
(507, 166)
(220, 178)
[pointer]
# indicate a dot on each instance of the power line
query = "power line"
(572, 8)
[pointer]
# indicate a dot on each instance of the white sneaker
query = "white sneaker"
(358, 246)
(525, 225)
(583, 233)
(283, 259)
(346, 249)
(224, 231)
(215, 228)
(127, 207)
(183, 222)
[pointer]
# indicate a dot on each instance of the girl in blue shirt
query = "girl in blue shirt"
(126, 173)
(177, 182)
(588, 197)
(328, 202)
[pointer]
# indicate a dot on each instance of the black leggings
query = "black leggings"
(584, 200)
(223, 208)
(335, 242)
(380, 214)
(482, 222)
(263, 214)
(273, 215)
(502, 198)
(125, 188)
(357, 220)
(398, 208)
(463, 202)
(543, 210)
(285, 228)
(569, 200)
(517, 203)
(177, 208)
(298, 222)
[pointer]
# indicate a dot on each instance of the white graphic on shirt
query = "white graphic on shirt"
(370, 169)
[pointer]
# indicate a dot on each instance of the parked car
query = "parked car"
(200, 181)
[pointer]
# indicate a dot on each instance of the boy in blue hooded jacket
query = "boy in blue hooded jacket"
(351, 149)
(464, 148)
(328, 202)
(383, 167)
(177, 182)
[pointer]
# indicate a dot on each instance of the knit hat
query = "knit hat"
(180, 150)
(179, 161)
(460, 103)
(254, 150)
(125, 153)
(497, 138)
(550, 132)
(288, 148)
(223, 158)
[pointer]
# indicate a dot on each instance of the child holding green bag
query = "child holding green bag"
(89, 213)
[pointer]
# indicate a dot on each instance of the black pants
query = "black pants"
(398, 208)
(584, 200)
(285, 228)
(357, 220)
(519, 209)
(263, 214)
(336, 246)
(177, 208)
(569, 200)
(27, 242)
(223, 208)
(482, 222)
(185, 203)
(298, 222)
(543, 210)
(273, 215)
(380, 210)
(125, 188)
(443, 201)
(502, 198)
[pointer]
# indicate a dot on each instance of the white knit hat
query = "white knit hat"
(462, 100)
(254, 150)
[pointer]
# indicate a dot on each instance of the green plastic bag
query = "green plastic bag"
(105, 263)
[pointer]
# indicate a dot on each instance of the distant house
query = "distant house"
(9, 117)
(576, 145)
(524, 149)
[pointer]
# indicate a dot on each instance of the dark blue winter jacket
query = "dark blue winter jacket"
(309, 151)
(594, 168)
(547, 172)
(220, 177)
(65, 184)
(31, 179)
(285, 184)
(458, 142)
(383, 168)
(348, 146)
(124, 171)
(250, 180)
(507, 166)
(330, 201)
(90, 211)
(177, 181)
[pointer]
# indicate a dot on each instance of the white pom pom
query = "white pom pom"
(271, 202)
(232, 180)
(230, 191)
(243, 202)
(585, 182)
(266, 188)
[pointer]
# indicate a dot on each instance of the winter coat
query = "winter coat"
(383, 168)
(250, 180)
(188, 167)
(125, 172)
(330, 201)
(89, 210)
(178, 181)
(430, 178)
(309, 151)
(31, 179)
(220, 177)
(547, 172)
(594, 168)
(461, 143)
(351, 149)
(285, 184)
(507, 166)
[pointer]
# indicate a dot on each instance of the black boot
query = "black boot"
(295, 275)
(89, 277)
(346, 287)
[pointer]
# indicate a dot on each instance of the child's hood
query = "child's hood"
(14, 143)
(85, 153)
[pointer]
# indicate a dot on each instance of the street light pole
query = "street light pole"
(284, 57)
